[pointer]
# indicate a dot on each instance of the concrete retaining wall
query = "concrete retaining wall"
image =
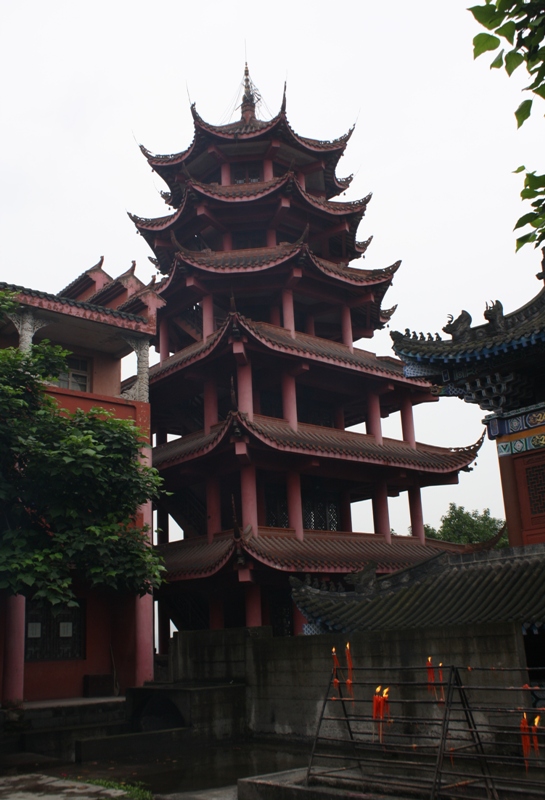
(286, 677)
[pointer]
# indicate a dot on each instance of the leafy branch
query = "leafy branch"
(521, 24)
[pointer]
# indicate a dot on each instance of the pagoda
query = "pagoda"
(498, 366)
(259, 382)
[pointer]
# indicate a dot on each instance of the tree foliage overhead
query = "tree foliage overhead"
(520, 24)
(467, 527)
(70, 487)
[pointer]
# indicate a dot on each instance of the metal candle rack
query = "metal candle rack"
(442, 732)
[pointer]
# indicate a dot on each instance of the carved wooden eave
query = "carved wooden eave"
(326, 443)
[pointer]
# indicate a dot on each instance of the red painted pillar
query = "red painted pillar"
(287, 310)
(164, 350)
(207, 304)
(245, 389)
(271, 237)
(407, 420)
(339, 418)
(143, 656)
(268, 170)
(253, 605)
(227, 242)
(275, 316)
(373, 423)
(298, 621)
(289, 399)
(213, 506)
(309, 325)
(346, 512)
(225, 174)
(295, 505)
(302, 179)
(346, 323)
(216, 620)
(14, 650)
(210, 403)
(249, 497)
(417, 517)
(381, 516)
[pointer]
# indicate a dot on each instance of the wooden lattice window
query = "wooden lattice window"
(530, 487)
(535, 480)
(54, 633)
(321, 509)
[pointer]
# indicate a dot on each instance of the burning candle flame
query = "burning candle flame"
(377, 690)
(386, 692)
(536, 721)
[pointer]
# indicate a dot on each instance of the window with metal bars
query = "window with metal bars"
(246, 172)
(53, 633)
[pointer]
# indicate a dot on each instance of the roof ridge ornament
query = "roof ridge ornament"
(249, 97)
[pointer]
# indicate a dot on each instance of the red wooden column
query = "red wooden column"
(346, 512)
(143, 617)
(275, 316)
(13, 682)
(268, 173)
(407, 420)
(295, 505)
(417, 517)
(249, 497)
(225, 173)
(207, 304)
(381, 516)
(213, 507)
(164, 351)
(210, 403)
(143, 611)
(288, 311)
(289, 399)
(346, 322)
(245, 389)
(374, 423)
(309, 325)
(253, 605)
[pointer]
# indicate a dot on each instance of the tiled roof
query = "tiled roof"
(451, 589)
(260, 258)
(239, 260)
(9, 287)
(302, 344)
(520, 328)
(322, 551)
(325, 442)
(195, 558)
(188, 354)
(319, 552)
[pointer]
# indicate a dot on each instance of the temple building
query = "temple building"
(498, 366)
(105, 643)
(259, 383)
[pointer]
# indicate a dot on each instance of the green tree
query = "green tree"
(520, 24)
(467, 527)
(70, 487)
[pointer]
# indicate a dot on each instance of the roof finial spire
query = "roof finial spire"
(248, 98)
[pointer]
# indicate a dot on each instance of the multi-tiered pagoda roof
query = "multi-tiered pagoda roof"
(259, 379)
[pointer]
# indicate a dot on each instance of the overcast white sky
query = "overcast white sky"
(435, 141)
